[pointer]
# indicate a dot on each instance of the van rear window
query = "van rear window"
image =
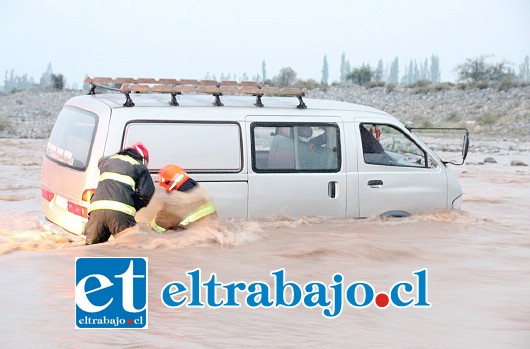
(71, 138)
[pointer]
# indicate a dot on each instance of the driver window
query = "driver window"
(386, 145)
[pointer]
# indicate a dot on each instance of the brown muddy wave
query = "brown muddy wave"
(477, 261)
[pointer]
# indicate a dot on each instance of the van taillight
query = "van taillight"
(77, 209)
(47, 195)
(87, 195)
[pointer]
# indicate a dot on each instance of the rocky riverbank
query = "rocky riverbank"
(503, 114)
(489, 111)
(31, 113)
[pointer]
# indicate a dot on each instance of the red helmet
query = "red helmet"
(142, 150)
(172, 177)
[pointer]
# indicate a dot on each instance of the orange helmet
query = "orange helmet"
(142, 150)
(172, 177)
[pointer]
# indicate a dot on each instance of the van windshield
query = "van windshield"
(71, 138)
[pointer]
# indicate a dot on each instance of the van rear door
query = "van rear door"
(296, 167)
(69, 168)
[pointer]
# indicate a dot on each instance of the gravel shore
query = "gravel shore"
(490, 111)
(485, 112)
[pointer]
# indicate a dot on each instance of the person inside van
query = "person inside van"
(124, 187)
(281, 153)
(187, 203)
(319, 141)
(370, 144)
(373, 151)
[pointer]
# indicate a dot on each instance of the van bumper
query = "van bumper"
(46, 225)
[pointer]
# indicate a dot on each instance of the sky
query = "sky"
(209, 38)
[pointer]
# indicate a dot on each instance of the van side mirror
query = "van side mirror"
(465, 146)
(465, 143)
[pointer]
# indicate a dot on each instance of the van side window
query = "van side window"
(386, 145)
(196, 146)
(71, 138)
(290, 147)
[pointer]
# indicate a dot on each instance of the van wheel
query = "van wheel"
(394, 213)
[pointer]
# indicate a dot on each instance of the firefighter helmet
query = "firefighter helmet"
(142, 150)
(172, 177)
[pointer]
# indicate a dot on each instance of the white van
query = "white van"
(269, 154)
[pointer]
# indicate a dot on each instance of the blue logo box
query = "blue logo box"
(111, 292)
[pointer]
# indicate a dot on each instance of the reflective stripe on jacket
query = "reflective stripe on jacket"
(126, 158)
(112, 205)
(199, 213)
(118, 177)
(125, 184)
(157, 228)
(181, 209)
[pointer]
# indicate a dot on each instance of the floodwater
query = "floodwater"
(478, 263)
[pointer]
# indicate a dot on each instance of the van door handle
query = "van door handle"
(332, 189)
(375, 183)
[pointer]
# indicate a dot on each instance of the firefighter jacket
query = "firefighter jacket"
(183, 209)
(125, 184)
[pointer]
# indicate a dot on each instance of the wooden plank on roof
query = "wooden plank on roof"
(208, 89)
(291, 91)
(168, 81)
(146, 81)
(124, 81)
(251, 90)
(208, 83)
(188, 82)
(229, 90)
(101, 80)
(185, 89)
(250, 83)
(228, 83)
(271, 90)
(163, 88)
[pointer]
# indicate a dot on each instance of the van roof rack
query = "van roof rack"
(177, 87)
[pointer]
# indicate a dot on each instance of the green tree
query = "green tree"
(479, 71)
(379, 71)
(244, 77)
(473, 70)
(263, 70)
(325, 71)
(424, 70)
(285, 78)
(14, 82)
(393, 77)
(344, 68)
(46, 78)
(362, 75)
(413, 73)
(58, 81)
(435, 69)
(524, 70)
(409, 77)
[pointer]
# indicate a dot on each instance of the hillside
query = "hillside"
(503, 114)
(487, 111)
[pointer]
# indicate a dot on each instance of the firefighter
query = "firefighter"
(124, 187)
(186, 204)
